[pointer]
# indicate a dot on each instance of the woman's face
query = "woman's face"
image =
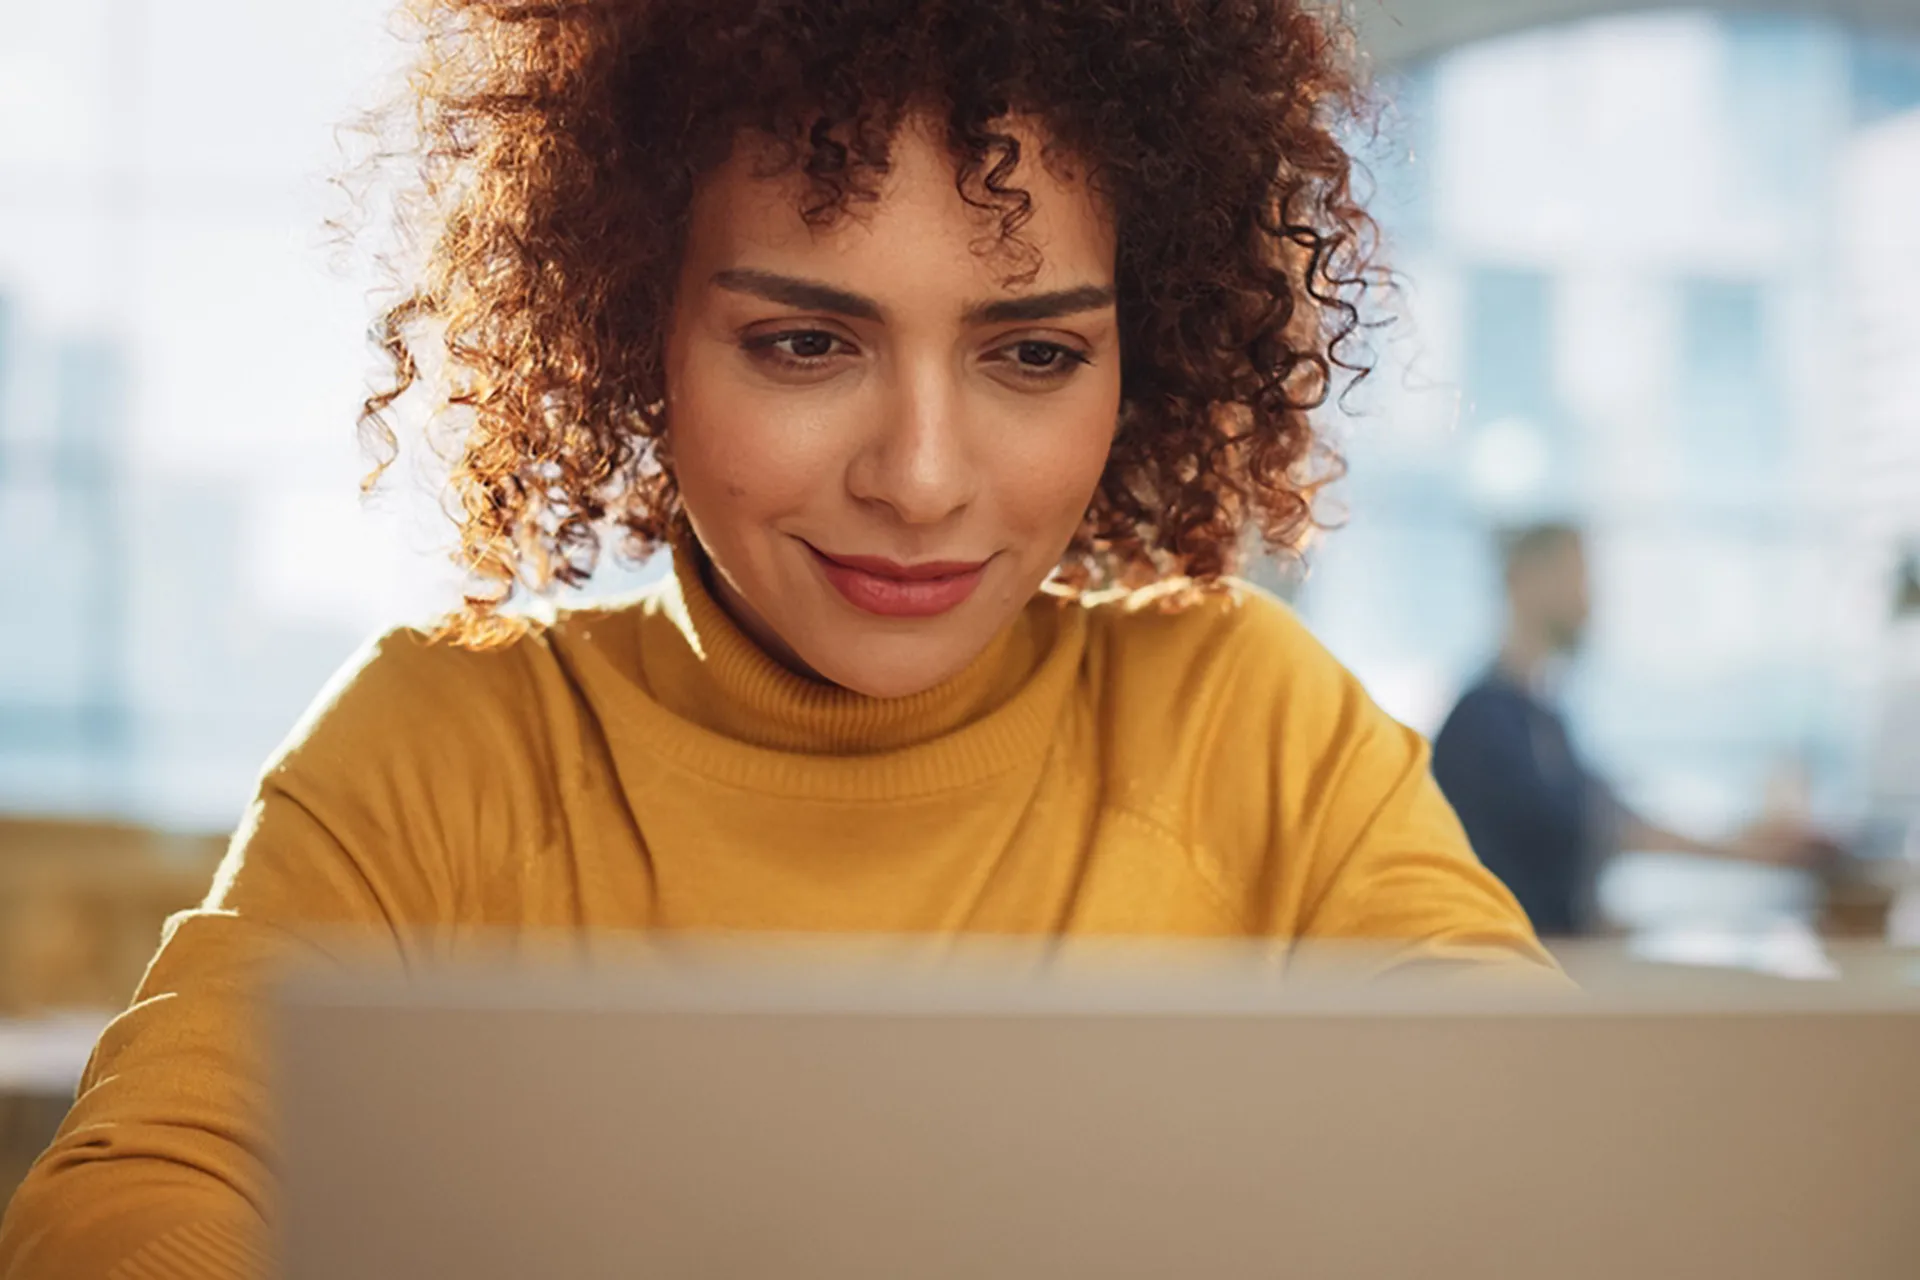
(883, 446)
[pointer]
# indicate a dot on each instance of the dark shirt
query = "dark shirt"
(1534, 813)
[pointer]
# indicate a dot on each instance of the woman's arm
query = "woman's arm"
(1395, 868)
(162, 1167)
(1324, 811)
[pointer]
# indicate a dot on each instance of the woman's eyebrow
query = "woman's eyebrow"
(1041, 306)
(792, 291)
(813, 295)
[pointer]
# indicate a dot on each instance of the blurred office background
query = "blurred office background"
(1662, 280)
(1662, 277)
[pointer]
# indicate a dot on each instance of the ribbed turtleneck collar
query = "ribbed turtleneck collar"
(720, 679)
(674, 676)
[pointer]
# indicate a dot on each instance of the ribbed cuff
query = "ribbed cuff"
(196, 1251)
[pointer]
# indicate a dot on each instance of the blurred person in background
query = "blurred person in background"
(899, 324)
(1536, 813)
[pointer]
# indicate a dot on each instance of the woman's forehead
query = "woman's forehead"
(919, 233)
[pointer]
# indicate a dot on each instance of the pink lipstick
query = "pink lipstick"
(894, 590)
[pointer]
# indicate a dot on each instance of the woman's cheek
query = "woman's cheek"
(1054, 464)
(761, 451)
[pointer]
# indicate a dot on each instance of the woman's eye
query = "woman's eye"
(796, 346)
(1037, 359)
(811, 345)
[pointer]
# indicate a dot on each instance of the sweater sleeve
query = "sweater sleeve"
(161, 1167)
(1391, 863)
(1322, 809)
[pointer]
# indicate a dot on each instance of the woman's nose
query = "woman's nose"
(918, 462)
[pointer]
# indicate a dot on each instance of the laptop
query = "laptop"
(780, 1115)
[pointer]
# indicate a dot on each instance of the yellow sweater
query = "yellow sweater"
(1104, 768)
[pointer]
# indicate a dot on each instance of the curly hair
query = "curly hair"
(559, 145)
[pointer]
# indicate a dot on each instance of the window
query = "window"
(1645, 336)
(1727, 403)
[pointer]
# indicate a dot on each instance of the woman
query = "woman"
(905, 325)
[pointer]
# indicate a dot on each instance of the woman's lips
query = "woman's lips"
(894, 590)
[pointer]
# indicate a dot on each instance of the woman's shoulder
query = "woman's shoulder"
(1184, 632)
(424, 677)
(418, 692)
(1199, 687)
(414, 680)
